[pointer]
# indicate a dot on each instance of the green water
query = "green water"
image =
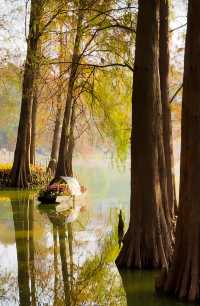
(66, 257)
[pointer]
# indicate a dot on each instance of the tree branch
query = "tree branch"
(176, 93)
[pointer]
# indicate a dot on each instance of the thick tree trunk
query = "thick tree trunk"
(167, 122)
(55, 143)
(65, 135)
(33, 127)
(20, 173)
(183, 278)
(148, 241)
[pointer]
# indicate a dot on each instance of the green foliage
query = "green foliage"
(110, 104)
(10, 96)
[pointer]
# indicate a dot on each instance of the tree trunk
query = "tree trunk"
(183, 278)
(55, 143)
(64, 143)
(56, 135)
(33, 127)
(70, 149)
(148, 241)
(20, 173)
(167, 121)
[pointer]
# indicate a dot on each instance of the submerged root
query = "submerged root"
(182, 279)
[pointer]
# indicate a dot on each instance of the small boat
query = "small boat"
(61, 190)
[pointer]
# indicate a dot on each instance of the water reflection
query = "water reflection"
(59, 231)
(23, 226)
(68, 258)
(53, 264)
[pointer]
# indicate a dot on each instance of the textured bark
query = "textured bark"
(56, 134)
(20, 173)
(33, 127)
(55, 143)
(70, 149)
(183, 278)
(167, 121)
(148, 241)
(35, 101)
(65, 135)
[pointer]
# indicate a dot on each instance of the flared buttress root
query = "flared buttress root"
(138, 254)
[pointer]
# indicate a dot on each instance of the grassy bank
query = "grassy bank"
(38, 178)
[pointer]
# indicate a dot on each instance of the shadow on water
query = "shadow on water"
(139, 287)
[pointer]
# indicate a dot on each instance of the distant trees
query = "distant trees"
(148, 241)
(91, 37)
(10, 96)
(96, 33)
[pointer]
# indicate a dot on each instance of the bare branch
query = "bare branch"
(176, 93)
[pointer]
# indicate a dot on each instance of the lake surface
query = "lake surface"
(66, 256)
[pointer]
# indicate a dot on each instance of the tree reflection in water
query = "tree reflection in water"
(48, 270)
(23, 224)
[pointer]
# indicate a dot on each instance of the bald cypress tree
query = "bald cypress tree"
(183, 278)
(166, 112)
(20, 173)
(148, 241)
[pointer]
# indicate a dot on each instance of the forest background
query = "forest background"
(106, 131)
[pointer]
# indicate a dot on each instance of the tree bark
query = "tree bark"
(167, 121)
(148, 241)
(70, 149)
(33, 127)
(65, 135)
(55, 143)
(20, 173)
(183, 278)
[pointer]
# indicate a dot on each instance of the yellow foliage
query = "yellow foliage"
(5, 167)
(8, 167)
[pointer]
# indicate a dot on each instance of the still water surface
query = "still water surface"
(66, 256)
